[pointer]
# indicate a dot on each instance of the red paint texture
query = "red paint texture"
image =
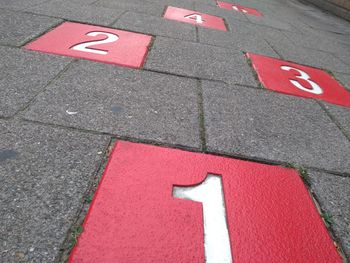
(179, 14)
(229, 6)
(134, 218)
(274, 78)
(129, 50)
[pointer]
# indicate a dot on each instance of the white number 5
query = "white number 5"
(85, 46)
(315, 89)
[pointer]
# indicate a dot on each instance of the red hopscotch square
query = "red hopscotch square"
(135, 217)
(195, 18)
(102, 44)
(239, 8)
(299, 80)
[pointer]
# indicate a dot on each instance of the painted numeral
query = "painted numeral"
(315, 88)
(196, 17)
(236, 9)
(86, 46)
(216, 236)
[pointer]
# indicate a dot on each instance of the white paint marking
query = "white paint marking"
(216, 237)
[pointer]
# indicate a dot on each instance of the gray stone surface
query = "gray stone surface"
(77, 12)
(44, 173)
(156, 26)
(124, 102)
(247, 42)
(17, 28)
(271, 22)
(344, 79)
(23, 74)
(133, 5)
(341, 115)
(333, 194)
(270, 126)
(201, 61)
(19, 4)
(311, 57)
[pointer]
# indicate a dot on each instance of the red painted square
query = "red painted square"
(299, 80)
(239, 8)
(195, 18)
(97, 43)
(134, 216)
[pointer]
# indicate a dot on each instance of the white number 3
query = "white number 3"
(85, 46)
(315, 89)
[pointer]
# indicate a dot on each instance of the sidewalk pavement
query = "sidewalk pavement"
(197, 91)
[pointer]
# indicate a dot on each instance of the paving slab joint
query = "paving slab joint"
(202, 132)
(77, 226)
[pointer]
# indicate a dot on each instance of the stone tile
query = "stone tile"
(23, 75)
(18, 28)
(237, 41)
(271, 22)
(341, 116)
(18, 4)
(333, 194)
(311, 57)
(156, 26)
(44, 174)
(275, 127)
(77, 12)
(124, 102)
(150, 8)
(200, 61)
(344, 79)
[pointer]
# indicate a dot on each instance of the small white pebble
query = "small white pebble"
(31, 249)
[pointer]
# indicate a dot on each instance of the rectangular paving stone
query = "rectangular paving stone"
(23, 75)
(200, 61)
(333, 194)
(150, 8)
(310, 57)
(167, 205)
(341, 116)
(19, 4)
(18, 28)
(125, 102)
(156, 26)
(271, 22)
(44, 175)
(275, 127)
(237, 41)
(77, 12)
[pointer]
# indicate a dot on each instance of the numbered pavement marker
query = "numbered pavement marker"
(299, 80)
(195, 18)
(157, 204)
(95, 43)
(239, 8)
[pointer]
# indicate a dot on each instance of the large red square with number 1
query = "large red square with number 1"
(195, 18)
(299, 80)
(239, 8)
(95, 43)
(164, 205)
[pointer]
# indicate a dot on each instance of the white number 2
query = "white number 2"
(315, 89)
(85, 46)
(196, 17)
(216, 236)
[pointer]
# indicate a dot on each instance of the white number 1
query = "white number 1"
(216, 237)
(85, 46)
(315, 89)
(236, 8)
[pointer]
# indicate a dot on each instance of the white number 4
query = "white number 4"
(196, 17)
(216, 237)
(315, 88)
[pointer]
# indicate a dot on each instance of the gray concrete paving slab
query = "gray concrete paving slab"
(271, 22)
(333, 194)
(270, 126)
(200, 61)
(237, 41)
(44, 174)
(77, 12)
(156, 26)
(344, 79)
(124, 102)
(19, 4)
(23, 75)
(310, 57)
(341, 116)
(18, 28)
